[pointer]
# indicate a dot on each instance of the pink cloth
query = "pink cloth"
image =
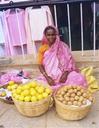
(59, 59)
(15, 32)
(10, 77)
(13, 27)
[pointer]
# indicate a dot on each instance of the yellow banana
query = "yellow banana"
(92, 90)
(90, 79)
(87, 71)
(94, 86)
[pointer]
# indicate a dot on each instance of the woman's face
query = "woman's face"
(51, 36)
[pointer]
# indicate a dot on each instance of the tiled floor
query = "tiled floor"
(10, 118)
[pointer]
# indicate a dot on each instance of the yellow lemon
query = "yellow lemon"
(27, 98)
(40, 90)
(11, 82)
(22, 94)
(9, 88)
(27, 87)
(18, 91)
(48, 91)
(19, 87)
(34, 84)
(45, 94)
(23, 87)
(33, 99)
(37, 88)
(40, 97)
(21, 98)
(14, 86)
(14, 95)
(17, 97)
(33, 91)
(13, 91)
(26, 92)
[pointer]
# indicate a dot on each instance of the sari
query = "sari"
(56, 60)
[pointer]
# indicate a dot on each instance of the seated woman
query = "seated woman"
(56, 62)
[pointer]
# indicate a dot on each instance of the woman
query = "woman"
(56, 63)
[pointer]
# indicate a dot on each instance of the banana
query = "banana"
(93, 88)
(90, 79)
(87, 71)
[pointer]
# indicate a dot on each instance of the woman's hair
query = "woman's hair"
(49, 27)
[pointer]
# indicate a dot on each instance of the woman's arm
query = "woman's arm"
(48, 78)
(63, 77)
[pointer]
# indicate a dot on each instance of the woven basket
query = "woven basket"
(71, 112)
(32, 109)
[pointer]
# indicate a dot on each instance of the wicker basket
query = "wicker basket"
(71, 112)
(32, 109)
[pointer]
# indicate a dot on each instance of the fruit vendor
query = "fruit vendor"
(56, 62)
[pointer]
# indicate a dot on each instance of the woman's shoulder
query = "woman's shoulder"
(43, 48)
(65, 44)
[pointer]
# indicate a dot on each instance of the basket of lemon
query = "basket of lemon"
(73, 102)
(32, 99)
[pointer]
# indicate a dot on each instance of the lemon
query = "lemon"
(11, 82)
(40, 96)
(26, 92)
(37, 88)
(40, 90)
(17, 97)
(9, 88)
(27, 87)
(22, 94)
(45, 94)
(33, 99)
(19, 87)
(14, 95)
(34, 84)
(48, 91)
(18, 91)
(27, 98)
(33, 91)
(23, 87)
(21, 98)
(14, 86)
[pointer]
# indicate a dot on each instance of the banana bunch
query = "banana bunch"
(91, 80)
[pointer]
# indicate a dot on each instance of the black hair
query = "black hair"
(49, 27)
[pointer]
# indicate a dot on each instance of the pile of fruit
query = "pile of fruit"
(73, 95)
(12, 85)
(31, 92)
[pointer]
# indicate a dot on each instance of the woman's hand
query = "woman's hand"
(48, 78)
(63, 78)
(50, 81)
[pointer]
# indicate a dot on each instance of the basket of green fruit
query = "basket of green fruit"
(32, 99)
